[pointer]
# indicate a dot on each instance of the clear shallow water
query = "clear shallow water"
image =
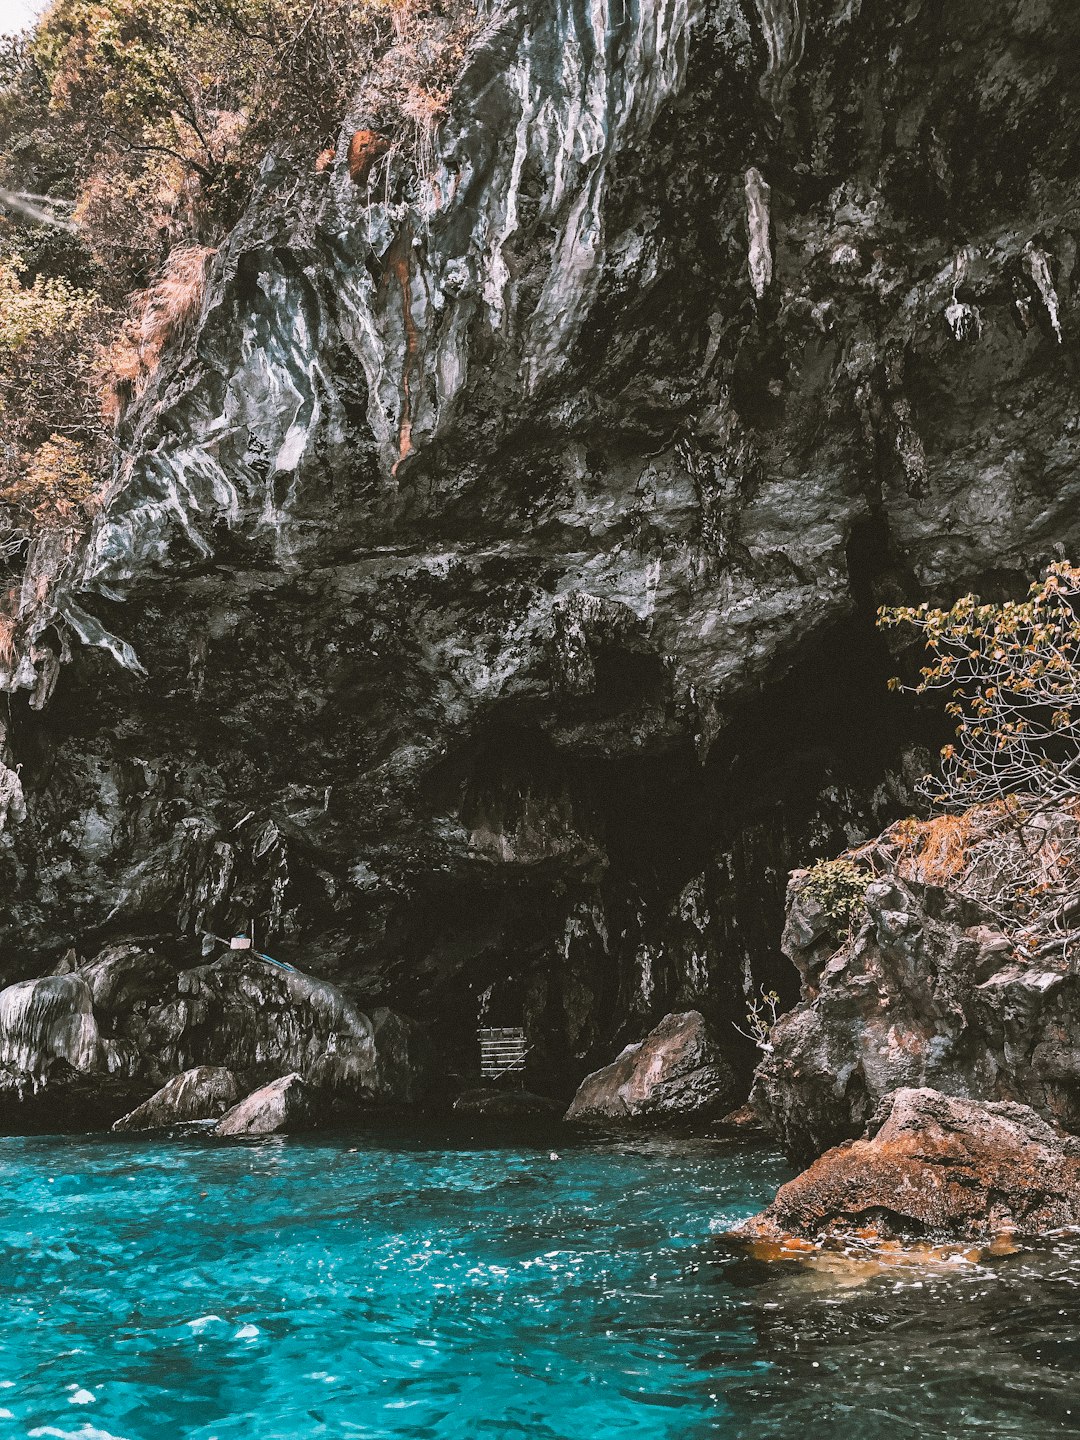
(409, 1287)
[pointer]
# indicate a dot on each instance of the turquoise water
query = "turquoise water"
(390, 1286)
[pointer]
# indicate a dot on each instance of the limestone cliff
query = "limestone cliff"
(484, 595)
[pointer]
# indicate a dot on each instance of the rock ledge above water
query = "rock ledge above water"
(933, 1167)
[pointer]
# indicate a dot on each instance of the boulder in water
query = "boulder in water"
(283, 1106)
(932, 1167)
(676, 1073)
(204, 1093)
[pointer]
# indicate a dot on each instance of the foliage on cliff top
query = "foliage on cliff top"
(137, 129)
(53, 439)
(1007, 829)
(152, 117)
(1012, 673)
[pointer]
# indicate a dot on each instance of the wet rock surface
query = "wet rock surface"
(204, 1093)
(676, 1073)
(283, 1107)
(94, 1042)
(926, 992)
(485, 596)
(934, 1167)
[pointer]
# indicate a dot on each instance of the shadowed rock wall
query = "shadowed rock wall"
(484, 599)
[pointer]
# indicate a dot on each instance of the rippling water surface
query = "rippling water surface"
(413, 1286)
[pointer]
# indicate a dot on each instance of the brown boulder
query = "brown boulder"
(204, 1093)
(676, 1072)
(932, 1167)
(282, 1106)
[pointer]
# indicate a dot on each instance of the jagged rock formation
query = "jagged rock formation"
(204, 1093)
(932, 1167)
(926, 992)
(484, 596)
(676, 1073)
(81, 1048)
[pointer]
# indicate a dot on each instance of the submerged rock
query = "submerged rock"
(677, 1072)
(204, 1093)
(498, 1104)
(925, 992)
(934, 1167)
(282, 1106)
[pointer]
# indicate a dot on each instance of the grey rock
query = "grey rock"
(676, 1073)
(933, 1167)
(48, 1021)
(128, 1020)
(204, 1093)
(926, 992)
(259, 1020)
(283, 1106)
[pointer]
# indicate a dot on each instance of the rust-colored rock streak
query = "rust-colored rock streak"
(397, 263)
(366, 147)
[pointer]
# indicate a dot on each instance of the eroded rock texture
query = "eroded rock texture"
(484, 599)
(933, 1166)
(81, 1048)
(203, 1093)
(285, 1105)
(926, 992)
(676, 1073)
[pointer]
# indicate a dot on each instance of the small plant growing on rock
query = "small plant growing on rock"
(839, 887)
(760, 1019)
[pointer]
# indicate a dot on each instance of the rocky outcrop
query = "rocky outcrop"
(129, 1022)
(484, 596)
(204, 1093)
(282, 1107)
(932, 1167)
(676, 1073)
(48, 1023)
(259, 1020)
(926, 991)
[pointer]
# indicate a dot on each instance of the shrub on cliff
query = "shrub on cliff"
(1007, 831)
(166, 108)
(839, 887)
(53, 436)
(1012, 674)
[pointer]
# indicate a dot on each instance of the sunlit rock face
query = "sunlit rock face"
(202, 1093)
(677, 1073)
(484, 599)
(925, 991)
